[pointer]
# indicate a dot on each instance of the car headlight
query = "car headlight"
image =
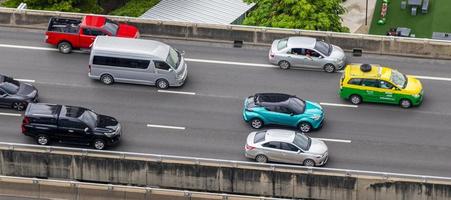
(315, 117)
(415, 95)
(110, 134)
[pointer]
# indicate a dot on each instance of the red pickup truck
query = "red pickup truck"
(68, 34)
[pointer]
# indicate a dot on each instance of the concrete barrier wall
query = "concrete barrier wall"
(217, 176)
(57, 189)
(386, 45)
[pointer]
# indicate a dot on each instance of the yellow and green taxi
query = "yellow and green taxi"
(373, 83)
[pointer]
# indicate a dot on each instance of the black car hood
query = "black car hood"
(106, 122)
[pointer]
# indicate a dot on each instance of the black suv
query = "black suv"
(71, 124)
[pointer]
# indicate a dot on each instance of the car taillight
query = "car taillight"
(89, 67)
(25, 121)
(248, 147)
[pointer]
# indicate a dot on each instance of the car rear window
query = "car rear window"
(282, 44)
(259, 136)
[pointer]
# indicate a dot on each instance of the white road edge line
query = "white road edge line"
(339, 105)
(334, 140)
(28, 47)
(176, 92)
(11, 114)
(25, 80)
(164, 126)
(230, 63)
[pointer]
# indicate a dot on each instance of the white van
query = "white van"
(128, 60)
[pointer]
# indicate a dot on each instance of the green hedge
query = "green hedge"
(84, 6)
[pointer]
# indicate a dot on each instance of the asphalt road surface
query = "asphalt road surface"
(206, 120)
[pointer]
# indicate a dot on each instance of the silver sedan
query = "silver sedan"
(285, 146)
(306, 52)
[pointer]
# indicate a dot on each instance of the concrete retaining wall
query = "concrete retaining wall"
(218, 176)
(249, 35)
(57, 189)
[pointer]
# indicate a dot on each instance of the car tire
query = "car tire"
(305, 127)
(107, 79)
(355, 99)
(261, 158)
(309, 163)
(284, 65)
(162, 84)
(329, 68)
(256, 123)
(65, 47)
(43, 139)
(405, 103)
(19, 106)
(99, 144)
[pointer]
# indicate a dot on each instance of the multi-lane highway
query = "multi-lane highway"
(205, 120)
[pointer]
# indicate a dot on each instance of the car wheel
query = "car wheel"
(65, 47)
(355, 99)
(305, 127)
(309, 163)
(284, 64)
(405, 103)
(162, 84)
(43, 140)
(99, 144)
(107, 79)
(261, 158)
(256, 123)
(329, 68)
(19, 106)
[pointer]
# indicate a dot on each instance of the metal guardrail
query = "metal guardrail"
(45, 188)
(224, 163)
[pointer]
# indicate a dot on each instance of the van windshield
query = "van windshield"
(174, 58)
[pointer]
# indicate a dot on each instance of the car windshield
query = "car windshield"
(296, 105)
(323, 48)
(10, 88)
(111, 27)
(282, 44)
(89, 118)
(398, 79)
(302, 141)
(173, 58)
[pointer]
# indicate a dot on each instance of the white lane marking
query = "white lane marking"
(164, 126)
(25, 80)
(432, 78)
(11, 114)
(334, 140)
(206, 61)
(27, 47)
(176, 92)
(230, 63)
(338, 105)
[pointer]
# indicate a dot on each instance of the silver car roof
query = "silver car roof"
(301, 42)
(131, 46)
(280, 135)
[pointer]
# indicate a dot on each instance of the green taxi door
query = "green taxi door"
(371, 91)
(388, 92)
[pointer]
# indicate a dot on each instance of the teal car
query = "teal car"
(282, 109)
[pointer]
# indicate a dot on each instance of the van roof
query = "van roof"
(131, 45)
(377, 71)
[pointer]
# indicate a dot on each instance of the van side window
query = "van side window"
(161, 65)
(121, 62)
(355, 81)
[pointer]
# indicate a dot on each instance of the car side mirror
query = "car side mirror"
(87, 130)
(320, 57)
(291, 114)
(170, 70)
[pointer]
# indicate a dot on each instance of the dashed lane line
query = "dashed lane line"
(11, 114)
(176, 92)
(334, 140)
(338, 105)
(230, 63)
(165, 126)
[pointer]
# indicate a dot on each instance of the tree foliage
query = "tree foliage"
(300, 14)
(86, 6)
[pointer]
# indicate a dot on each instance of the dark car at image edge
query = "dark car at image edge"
(70, 124)
(15, 94)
